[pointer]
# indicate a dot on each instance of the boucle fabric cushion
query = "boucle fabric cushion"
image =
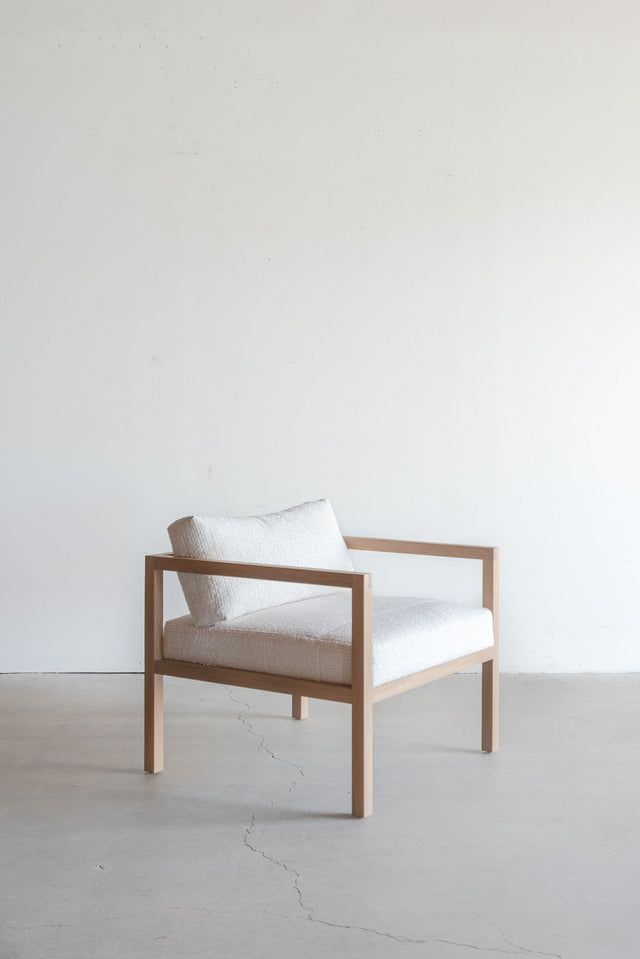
(306, 535)
(311, 639)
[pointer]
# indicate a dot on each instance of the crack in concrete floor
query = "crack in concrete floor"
(297, 877)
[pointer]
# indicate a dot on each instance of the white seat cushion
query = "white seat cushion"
(311, 638)
(305, 535)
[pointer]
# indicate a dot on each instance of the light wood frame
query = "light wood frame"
(361, 694)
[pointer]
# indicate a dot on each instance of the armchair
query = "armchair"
(359, 670)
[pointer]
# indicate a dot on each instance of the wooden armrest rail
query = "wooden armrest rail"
(377, 545)
(168, 562)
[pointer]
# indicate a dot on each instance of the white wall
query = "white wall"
(261, 252)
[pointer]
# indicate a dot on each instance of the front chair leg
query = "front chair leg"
(490, 678)
(490, 674)
(153, 683)
(362, 758)
(361, 700)
(299, 706)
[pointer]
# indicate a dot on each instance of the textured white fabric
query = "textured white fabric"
(311, 638)
(306, 535)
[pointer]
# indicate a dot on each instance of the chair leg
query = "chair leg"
(362, 758)
(361, 699)
(153, 723)
(299, 706)
(153, 687)
(490, 680)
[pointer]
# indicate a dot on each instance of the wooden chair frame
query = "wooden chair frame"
(360, 694)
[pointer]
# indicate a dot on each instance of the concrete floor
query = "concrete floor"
(243, 846)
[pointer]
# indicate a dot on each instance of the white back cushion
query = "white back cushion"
(306, 535)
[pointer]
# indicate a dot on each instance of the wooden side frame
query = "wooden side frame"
(360, 694)
(489, 556)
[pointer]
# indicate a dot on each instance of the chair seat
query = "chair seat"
(311, 638)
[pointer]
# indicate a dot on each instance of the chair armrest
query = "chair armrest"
(424, 549)
(488, 554)
(359, 583)
(167, 562)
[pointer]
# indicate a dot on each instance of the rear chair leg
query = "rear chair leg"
(299, 706)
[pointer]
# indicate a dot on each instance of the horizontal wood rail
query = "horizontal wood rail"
(335, 692)
(376, 545)
(168, 562)
(414, 680)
